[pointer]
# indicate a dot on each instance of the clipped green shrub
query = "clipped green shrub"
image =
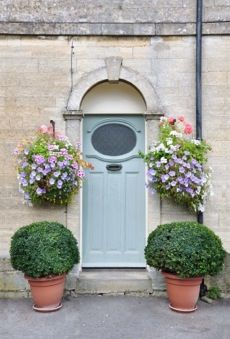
(187, 249)
(44, 249)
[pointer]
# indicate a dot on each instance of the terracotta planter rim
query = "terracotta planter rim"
(175, 276)
(50, 277)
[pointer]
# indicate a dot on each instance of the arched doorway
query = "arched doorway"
(114, 231)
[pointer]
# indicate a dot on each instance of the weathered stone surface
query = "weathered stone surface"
(121, 17)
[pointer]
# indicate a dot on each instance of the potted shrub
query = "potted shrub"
(44, 251)
(185, 252)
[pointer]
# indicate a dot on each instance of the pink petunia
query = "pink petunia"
(171, 120)
(181, 118)
(43, 129)
(188, 129)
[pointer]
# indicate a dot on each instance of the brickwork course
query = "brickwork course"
(46, 47)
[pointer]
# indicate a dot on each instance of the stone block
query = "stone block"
(158, 281)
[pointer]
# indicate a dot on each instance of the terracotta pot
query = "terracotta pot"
(183, 293)
(47, 292)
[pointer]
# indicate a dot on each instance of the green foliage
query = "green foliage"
(214, 293)
(176, 165)
(43, 249)
(50, 169)
(187, 249)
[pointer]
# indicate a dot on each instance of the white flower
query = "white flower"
(163, 160)
(196, 142)
(177, 134)
(169, 141)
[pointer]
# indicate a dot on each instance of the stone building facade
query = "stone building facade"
(55, 58)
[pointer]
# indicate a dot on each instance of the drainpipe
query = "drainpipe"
(198, 81)
(203, 287)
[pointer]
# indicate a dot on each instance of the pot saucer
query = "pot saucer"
(47, 309)
(183, 310)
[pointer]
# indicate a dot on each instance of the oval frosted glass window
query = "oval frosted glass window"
(113, 139)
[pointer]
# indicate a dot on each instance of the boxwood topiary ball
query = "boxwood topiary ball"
(187, 249)
(44, 249)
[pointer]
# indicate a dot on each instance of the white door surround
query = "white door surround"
(74, 115)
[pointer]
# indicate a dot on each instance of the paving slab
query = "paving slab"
(113, 317)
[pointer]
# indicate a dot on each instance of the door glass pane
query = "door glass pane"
(114, 139)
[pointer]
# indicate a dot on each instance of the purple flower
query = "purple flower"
(32, 174)
(151, 172)
(31, 181)
(39, 191)
(17, 151)
(173, 183)
(153, 191)
(60, 164)
(52, 159)
(164, 177)
(180, 180)
(64, 176)
(33, 166)
(172, 173)
(46, 171)
(181, 169)
(38, 177)
(158, 164)
(75, 165)
(51, 181)
(81, 173)
(57, 173)
(26, 151)
(51, 147)
(190, 191)
(24, 182)
(39, 159)
(171, 162)
(63, 150)
(59, 184)
(25, 164)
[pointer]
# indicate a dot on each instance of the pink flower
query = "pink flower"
(50, 130)
(181, 118)
(171, 120)
(43, 129)
(188, 129)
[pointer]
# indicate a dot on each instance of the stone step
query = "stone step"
(113, 281)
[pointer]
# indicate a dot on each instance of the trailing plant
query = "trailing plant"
(50, 169)
(187, 249)
(44, 249)
(176, 165)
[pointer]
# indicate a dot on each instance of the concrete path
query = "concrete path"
(113, 317)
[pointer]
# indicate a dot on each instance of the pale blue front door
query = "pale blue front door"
(114, 192)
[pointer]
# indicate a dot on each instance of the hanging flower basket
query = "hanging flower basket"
(176, 165)
(50, 169)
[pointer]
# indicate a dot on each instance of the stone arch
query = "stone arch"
(127, 74)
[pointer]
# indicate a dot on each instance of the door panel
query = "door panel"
(114, 192)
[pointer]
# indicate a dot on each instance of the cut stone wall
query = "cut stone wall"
(106, 17)
(37, 74)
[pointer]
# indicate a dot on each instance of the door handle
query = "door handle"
(114, 167)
